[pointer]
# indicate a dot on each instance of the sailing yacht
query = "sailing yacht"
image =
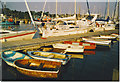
(7, 35)
(63, 26)
(105, 24)
(85, 22)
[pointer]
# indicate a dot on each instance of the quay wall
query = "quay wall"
(36, 43)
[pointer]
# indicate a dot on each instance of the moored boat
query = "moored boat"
(13, 36)
(115, 34)
(38, 68)
(65, 46)
(46, 48)
(98, 42)
(109, 37)
(10, 56)
(74, 50)
(50, 56)
(60, 46)
(38, 22)
(86, 45)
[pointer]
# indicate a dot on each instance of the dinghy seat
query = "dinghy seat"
(27, 65)
(51, 56)
(11, 60)
(40, 66)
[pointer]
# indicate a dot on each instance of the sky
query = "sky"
(64, 7)
(58, 0)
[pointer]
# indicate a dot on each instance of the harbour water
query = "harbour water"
(97, 66)
(18, 27)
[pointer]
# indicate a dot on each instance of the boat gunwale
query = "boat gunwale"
(10, 63)
(80, 43)
(18, 67)
(30, 53)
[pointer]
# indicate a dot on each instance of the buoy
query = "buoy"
(10, 20)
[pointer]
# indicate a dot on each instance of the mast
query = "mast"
(43, 8)
(115, 13)
(37, 32)
(89, 17)
(75, 11)
(88, 7)
(56, 13)
(114, 10)
(49, 10)
(56, 10)
(70, 13)
(3, 4)
(108, 13)
(79, 12)
(107, 10)
(94, 9)
(29, 12)
(60, 9)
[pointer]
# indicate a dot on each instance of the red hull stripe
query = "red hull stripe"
(17, 35)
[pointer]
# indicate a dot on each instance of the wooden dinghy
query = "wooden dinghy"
(86, 45)
(38, 68)
(74, 50)
(10, 56)
(107, 37)
(46, 48)
(50, 56)
(65, 46)
(99, 42)
(115, 34)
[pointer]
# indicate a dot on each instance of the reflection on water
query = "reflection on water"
(87, 52)
(115, 76)
(81, 56)
(76, 55)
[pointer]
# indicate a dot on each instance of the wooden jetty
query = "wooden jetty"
(36, 43)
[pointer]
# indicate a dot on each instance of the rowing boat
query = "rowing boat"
(115, 34)
(65, 46)
(107, 37)
(10, 56)
(74, 50)
(99, 42)
(50, 56)
(38, 68)
(86, 45)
